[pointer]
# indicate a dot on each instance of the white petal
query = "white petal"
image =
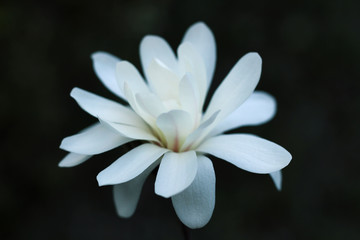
(73, 159)
(199, 134)
(189, 97)
(176, 172)
(247, 152)
(176, 125)
(154, 47)
(203, 40)
(126, 72)
(259, 108)
(133, 102)
(126, 195)
(277, 179)
(104, 65)
(131, 131)
(238, 85)
(190, 61)
(130, 165)
(162, 80)
(93, 140)
(195, 205)
(104, 108)
(151, 104)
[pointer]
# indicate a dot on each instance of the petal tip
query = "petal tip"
(74, 91)
(96, 55)
(100, 180)
(199, 24)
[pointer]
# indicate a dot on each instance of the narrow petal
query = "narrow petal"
(131, 97)
(93, 140)
(126, 195)
(238, 85)
(176, 172)
(162, 80)
(154, 47)
(73, 159)
(190, 61)
(259, 108)
(176, 125)
(203, 40)
(104, 65)
(151, 104)
(130, 165)
(106, 109)
(197, 136)
(129, 131)
(126, 72)
(277, 179)
(195, 205)
(189, 97)
(248, 152)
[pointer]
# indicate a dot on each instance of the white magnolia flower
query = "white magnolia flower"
(165, 113)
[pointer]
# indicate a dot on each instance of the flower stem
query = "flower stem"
(186, 231)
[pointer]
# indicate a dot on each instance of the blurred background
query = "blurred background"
(310, 51)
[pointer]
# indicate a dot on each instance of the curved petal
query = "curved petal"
(190, 61)
(189, 97)
(154, 47)
(195, 205)
(277, 179)
(127, 73)
(238, 85)
(104, 108)
(203, 40)
(87, 142)
(73, 159)
(132, 132)
(247, 152)
(130, 165)
(176, 172)
(151, 104)
(162, 80)
(104, 65)
(133, 102)
(126, 195)
(199, 134)
(259, 108)
(176, 125)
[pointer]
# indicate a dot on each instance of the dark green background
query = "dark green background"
(310, 51)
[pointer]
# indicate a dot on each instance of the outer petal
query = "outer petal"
(106, 109)
(126, 195)
(203, 40)
(238, 85)
(195, 205)
(176, 172)
(130, 165)
(154, 47)
(259, 108)
(104, 66)
(247, 152)
(277, 179)
(87, 142)
(73, 159)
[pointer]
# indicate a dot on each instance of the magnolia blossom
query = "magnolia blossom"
(166, 114)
